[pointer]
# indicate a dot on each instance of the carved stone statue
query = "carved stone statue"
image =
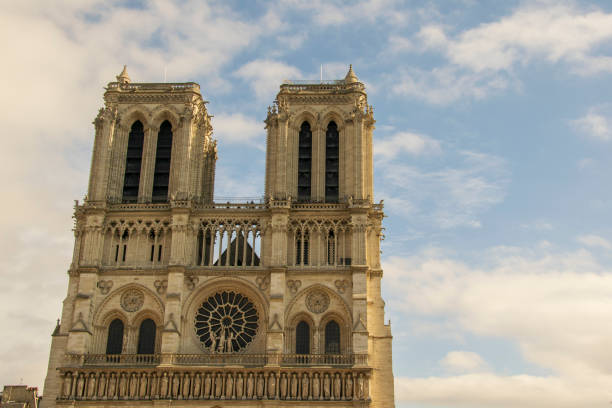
(142, 393)
(316, 386)
(218, 385)
(337, 386)
(272, 386)
(186, 386)
(197, 386)
(163, 391)
(133, 386)
(250, 386)
(153, 392)
(294, 386)
(91, 386)
(112, 387)
(102, 386)
(229, 386)
(239, 387)
(260, 385)
(221, 345)
(283, 386)
(228, 343)
(305, 388)
(326, 386)
(360, 387)
(207, 385)
(175, 386)
(348, 387)
(67, 385)
(122, 386)
(80, 386)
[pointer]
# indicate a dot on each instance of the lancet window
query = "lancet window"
(332, 142)
(302, 247)
(146, 337)
(133, 161)
(304, 162)
(302, 338)
(114, 342)
(332, 338)
(161, 177)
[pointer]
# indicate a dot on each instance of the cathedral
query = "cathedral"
(177, 300)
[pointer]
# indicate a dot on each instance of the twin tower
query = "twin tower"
(176, 300)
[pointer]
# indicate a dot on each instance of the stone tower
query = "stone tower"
(174, 299)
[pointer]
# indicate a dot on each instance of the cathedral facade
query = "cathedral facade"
(177, 300)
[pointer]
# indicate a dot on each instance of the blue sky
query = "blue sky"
(492, 154)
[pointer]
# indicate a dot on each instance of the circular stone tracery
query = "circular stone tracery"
(226, 322)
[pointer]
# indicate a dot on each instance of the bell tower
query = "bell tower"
(176, 300)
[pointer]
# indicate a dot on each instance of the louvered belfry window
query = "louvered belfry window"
(332, 141)
(133, 161)
(304, 162)
(161, 177)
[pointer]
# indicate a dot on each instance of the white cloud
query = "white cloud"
(595, 241)
(448, 197)
(550, 31)
(238, 128)
(553, 305)
(486, 390)
(483, 60)
(408, 142)
(595, 126)
(264, 76)
(463, 362)
(444, 85)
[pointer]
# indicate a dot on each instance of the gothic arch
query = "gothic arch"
(305, 115)
(344, 310)
(332, 114)
(164, 113)
(112, 304)
(345, 331)
(133, 114)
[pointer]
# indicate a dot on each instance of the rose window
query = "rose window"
(226, 322)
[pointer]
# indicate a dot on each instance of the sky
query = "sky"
(492, 153)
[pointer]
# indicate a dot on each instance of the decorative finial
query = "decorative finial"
(123, 77)
(350, 77)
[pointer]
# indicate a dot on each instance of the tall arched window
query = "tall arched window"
(302, 338)
(114, 343)
(331, 248)
(332, 142)
(332, 338)
(133, 161)
(161, 178)
(304, 162)
(146, 337)
(302, 247)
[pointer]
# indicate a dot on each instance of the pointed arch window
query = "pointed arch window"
(133, 161)
(304, 162)
(332, 144)
(302, 247)
(163, 153)
(114, 342)
(146, 337)
(332, 338)
(302, 338)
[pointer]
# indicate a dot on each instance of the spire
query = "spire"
(123, 77)
(350, 77)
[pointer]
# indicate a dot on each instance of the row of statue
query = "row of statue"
(322, 385)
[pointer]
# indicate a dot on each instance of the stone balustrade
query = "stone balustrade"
(216, 359)
(306, 384)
